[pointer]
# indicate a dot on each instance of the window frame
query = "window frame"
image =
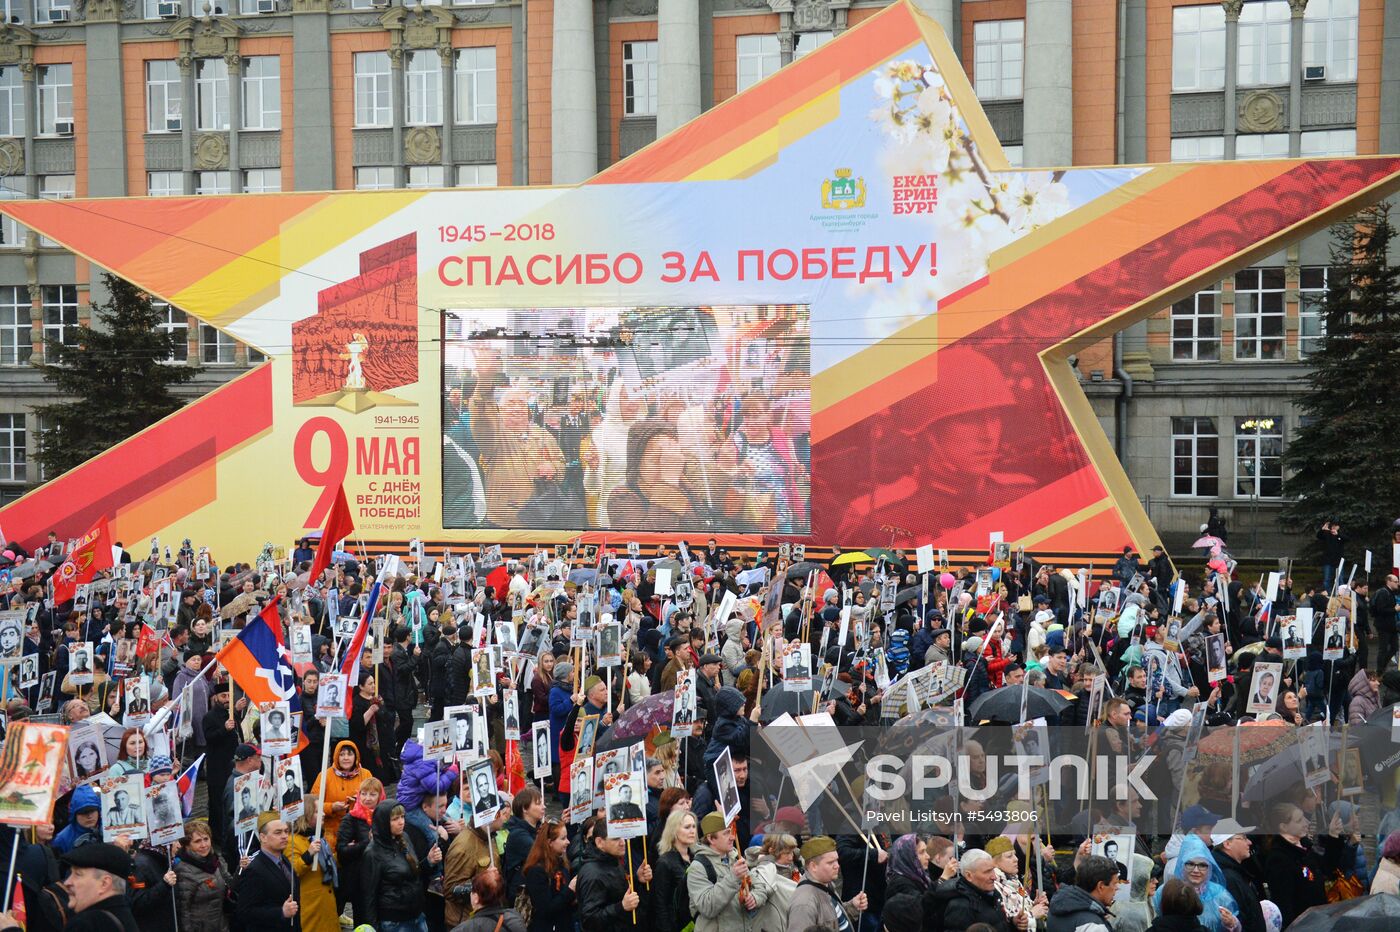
(995, 43)
(175, 320)
(55, 99)
(14, 452)
(210, 92)
(262, 187)
(1257, 296)
(1197, 142)
(265, 87)
(1261, 22)
(12, 123)
(164, 86)
(1195, 339)
(1312, 300)
(62, 330)
(379, 171)
(477, 167)
(763, 56)
(639, 90)
(212, 338)
(1189, 51)
(422, 88)
(1321, 34)
(471, 85)
(1187, 436)
(17, 335)
(370, 86)
(1249, 448)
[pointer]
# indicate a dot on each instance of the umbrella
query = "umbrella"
(639, 720)
(585, 575)
(1209, 541)
(1004, 704)
(671, 564)
(778, 701)
(800, 570)
(1378, 912)
(852, 556)
(1259, 741)
(889, 555)
(907, 594)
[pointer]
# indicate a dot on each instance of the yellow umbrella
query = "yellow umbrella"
(854, 556)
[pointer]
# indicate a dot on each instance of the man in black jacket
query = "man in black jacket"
(526, 811)
(459, 671)
(1231, 850)
(437, 671)
(973, 896)
(151, 886)
(95, 902)
(405, 689)
(268, 890)
(1383, 615)
(606, 900)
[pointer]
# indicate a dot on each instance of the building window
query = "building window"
(639, 78)
(475, 73)
(12, 448)
(372, 97)
(262, 92)
(1328, 143)
(177, 324)
(1312, 300)
(1264, 43)
(1196, 327)
(254, 356)
(1198, 48)
(424, 76)
(476, 176)
(44, 10)
(808, 42)
(58, 187)
(374, 178)
(425, 176)
(1258, 457)
(215, 346)
(1195, 457)
(1329, 37)
(1259, 313)
(12, 10)
(153, 9)
(999, 51)
(1262, 146)
(60, 316)
(11, 233)
(211, 90)
(165, 184)
(164, 97)
(262, 180)
(16, 326)
(55, 100)
(1198, 149)
(11, 101)
(758, 57)
(213, 183)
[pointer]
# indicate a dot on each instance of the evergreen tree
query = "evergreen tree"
(115, 376)
(1341, 464)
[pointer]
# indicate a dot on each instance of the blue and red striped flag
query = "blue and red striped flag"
(185, 783)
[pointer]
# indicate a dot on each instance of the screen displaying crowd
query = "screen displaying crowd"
(628, 419)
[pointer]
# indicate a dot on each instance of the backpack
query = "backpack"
(682, 904)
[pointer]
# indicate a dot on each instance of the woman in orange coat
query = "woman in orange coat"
(343, 783)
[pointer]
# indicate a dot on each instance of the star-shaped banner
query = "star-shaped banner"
(826, 310)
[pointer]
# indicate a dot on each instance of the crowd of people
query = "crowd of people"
(378, 827)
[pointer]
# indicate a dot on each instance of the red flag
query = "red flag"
(92, 553)
(499, 580)
(17, 906)
(339, 526)
(148, 641)
(515, 768)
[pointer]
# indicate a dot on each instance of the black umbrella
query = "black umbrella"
(1004, 704)
(800, 570)
(907, 594)
(1379, 912)
(793, 702)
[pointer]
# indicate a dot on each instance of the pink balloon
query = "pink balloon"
(946, 580)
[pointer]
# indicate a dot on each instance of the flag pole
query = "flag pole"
(10, 878)
(321, 798)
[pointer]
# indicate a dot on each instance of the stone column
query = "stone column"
(1295, 81)
(187, 120)
(573, 94)
(1232, 68)
(235, 119)
(313, 148)
(398, 111)
(1048, 134)
(1135, 83)
(104, 130)
(677, 64)
(1390, 79)
(449, 113)
(942, 12)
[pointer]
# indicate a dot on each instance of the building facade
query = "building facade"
(102, 98)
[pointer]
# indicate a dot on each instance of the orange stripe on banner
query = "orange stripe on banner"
(1022, 518)
(1060, 260)
(1090, 535)
(164, 243)
(181, 498)
(757, 110)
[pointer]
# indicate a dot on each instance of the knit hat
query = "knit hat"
(817, 846)
(161, 764)
(998, 846)
(712, 824)
(562, 671)
(972, 645)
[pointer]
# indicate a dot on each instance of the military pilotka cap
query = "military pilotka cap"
(101, 855)
(712, 824)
